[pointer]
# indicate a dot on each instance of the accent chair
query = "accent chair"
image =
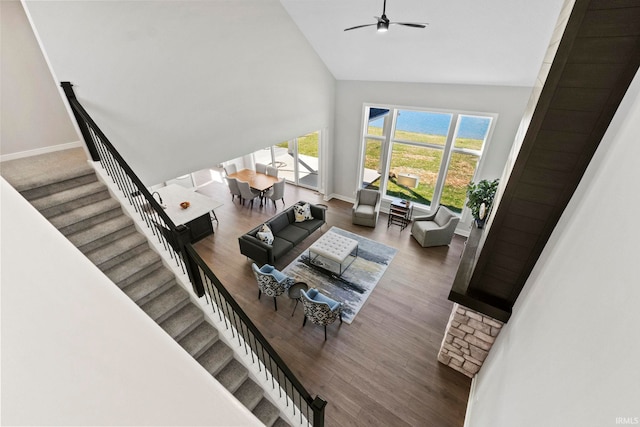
(366, 209)
(436, 229)
(320, 309)
(271, 281)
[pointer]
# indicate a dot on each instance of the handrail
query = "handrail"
(204, 281)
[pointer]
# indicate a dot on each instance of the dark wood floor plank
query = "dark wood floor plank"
(381, 370)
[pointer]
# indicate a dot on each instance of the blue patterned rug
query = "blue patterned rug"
(356, 282)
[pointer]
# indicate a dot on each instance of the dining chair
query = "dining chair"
(230, 169)
(246, 192)
(261, 168)
(276, 193)
(233, 188)
(271, 171)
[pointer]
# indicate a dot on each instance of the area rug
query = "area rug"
(356, 282)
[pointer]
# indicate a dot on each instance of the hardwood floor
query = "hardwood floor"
(381, 370)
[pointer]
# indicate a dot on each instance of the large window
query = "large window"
(424, 156)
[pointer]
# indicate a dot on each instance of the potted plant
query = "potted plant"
(479, 198)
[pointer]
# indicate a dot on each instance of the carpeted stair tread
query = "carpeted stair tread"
(83, 195)
(167, 303)
(86, 216)
(183, 321)
(103, 233)
(200, 339)
(150, 286)
(130, 246)
(37, 171)
(266, 412)
(249, 393)
(280, 423)
(216, 357)
(232, 375)
(132, 270)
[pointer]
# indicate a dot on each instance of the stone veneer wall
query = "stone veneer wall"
(468, 339)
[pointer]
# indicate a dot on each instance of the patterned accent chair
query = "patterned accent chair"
(271, 281)
(320, 309)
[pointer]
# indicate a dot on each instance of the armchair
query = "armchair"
(320, 309)
(366, 209)
(436, 229)
(271, 281)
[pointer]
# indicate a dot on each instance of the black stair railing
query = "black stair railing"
(174, 239)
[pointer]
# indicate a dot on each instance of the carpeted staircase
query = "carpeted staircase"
(80, 206)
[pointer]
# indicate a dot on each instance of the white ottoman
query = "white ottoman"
(334, 247)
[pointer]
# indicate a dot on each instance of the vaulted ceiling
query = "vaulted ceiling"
(501, 42)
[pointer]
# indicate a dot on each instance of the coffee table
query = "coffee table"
(333, 247)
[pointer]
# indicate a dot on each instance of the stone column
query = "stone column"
(468, 339)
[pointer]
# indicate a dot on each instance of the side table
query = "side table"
(400, 214)
(295, 292)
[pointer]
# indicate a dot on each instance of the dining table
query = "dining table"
(257, 180)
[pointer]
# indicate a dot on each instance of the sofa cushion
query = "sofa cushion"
(293, 234)
(280, 247)
(302, 212)
(309, 225)
(278, 223)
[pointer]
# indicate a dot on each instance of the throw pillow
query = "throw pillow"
(307, 211)
(302, 212)
(265, 234)
(299, 213)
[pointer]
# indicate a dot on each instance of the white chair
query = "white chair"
(261, 168)
(230, 169)
(246, 192)
(271, 171)
(233, 188)
(366, 209)
(436, 229)
(276, 192)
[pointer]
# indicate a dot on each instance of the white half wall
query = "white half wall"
(178, 86)
(77, 351)
(32, 114)
(569, 354)
(508, 102)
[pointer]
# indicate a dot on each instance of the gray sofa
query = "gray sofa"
(287, 234)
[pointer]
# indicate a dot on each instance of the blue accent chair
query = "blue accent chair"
(320, 309)
(271, 281)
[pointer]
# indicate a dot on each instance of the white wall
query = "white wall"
(187, 84)
(508, 102)
(32, 114)
(569, 355)
(77, 351)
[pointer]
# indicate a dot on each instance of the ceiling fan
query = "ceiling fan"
(383, 22)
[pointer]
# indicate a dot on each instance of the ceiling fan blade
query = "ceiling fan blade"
(410, 24)
(359, 26)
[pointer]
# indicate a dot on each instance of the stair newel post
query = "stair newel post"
(84, 129)
(183, 236)
(318, 406)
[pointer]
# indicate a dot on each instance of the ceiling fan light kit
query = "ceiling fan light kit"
(382, 24)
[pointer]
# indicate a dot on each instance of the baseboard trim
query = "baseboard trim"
(37, 151)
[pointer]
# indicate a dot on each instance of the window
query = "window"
(297, 159)
(427, 157)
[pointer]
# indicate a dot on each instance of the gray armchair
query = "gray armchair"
(436, 229)
(366, 208)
